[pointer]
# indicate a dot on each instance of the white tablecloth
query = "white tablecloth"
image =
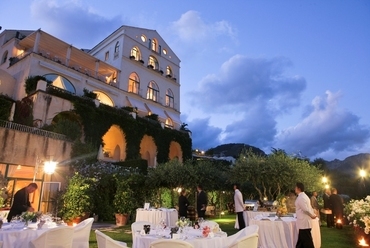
(4, 215)
(248, 215)
(278, 234)
(193, 237)
(156, 215)
(18, 236)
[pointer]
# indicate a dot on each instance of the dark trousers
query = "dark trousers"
(305, 239)
(241, 221)
(201, 213)
(330, 220)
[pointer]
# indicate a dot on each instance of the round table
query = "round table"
(283, 233)
(193, 237)
(156, 215)
(19, 236)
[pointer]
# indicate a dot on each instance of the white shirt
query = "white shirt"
(303, 211)
(238, 200)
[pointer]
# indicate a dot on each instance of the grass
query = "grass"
(330, 237)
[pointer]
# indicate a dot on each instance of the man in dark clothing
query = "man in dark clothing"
(21, 202)
(327, 208)
(201, 202)
(336, 204)
(183, 204)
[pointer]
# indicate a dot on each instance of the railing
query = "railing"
(33, 130)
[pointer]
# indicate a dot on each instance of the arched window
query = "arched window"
(4, 57)
(135, 52)
(169, 98)
(104, 98)
(133, 83)
(116, 49)
(168, 71)
(153, 91)
(169, 123)
(60, 82)
(153, 45)
(153, 62)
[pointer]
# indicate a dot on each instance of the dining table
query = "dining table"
(248, 215)
(281, 232)
(192, 236)
(17, 235)
(156, 215)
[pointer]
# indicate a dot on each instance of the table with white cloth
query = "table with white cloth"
(274, 233)
(19, 236)
(4, 215)
(248, 215)
(156, 215)
(193, 237)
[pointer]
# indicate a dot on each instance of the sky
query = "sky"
(291, 75)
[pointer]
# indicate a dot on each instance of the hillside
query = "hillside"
(232, 150)
(351, 164)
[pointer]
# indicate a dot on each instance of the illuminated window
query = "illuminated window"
(168, 71)
(153, 62)
(104, 98)
(169, 123)
(133, 83)
(4, 58)
(153, 45)
(164, 51)
(143, 38)
(106, 56)
(135, 53)
(169, 98)
(153, 91)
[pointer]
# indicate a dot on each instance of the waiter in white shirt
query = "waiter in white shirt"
(239, 206)
(304, 214)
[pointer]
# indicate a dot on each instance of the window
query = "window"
(153, 62)
(4, 58)
(133, 83)
(116, 49)
(153, 45)
(168, 71)
(60, 82)
(143, 38)
(153, 91)
(169, 123)
(106, 56)
(169, 98)
(135, 53)
(104, 98)
(164, 51)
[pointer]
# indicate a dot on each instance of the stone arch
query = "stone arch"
(148, 150)
(114, 141)
(175, 151)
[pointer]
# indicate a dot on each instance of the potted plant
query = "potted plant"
(132, 57)
(77, 199)
(123, 200)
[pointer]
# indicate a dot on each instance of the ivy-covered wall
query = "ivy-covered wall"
(97, 121)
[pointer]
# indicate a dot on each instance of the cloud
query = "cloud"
(70, 20)
(191, 28)
(204, 136)
(244, 82)
(255, 91)
(326, 128)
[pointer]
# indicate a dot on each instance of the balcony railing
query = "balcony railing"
(33, 130)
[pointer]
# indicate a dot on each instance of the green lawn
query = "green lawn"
(330, 237)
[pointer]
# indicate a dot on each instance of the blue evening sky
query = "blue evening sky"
(291, 75)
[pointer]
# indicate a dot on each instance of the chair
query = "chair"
(248, 231)
(250, 241)
(173, 243)
(81, 234)
(104, 241)
(60, 237)
(137, 227)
